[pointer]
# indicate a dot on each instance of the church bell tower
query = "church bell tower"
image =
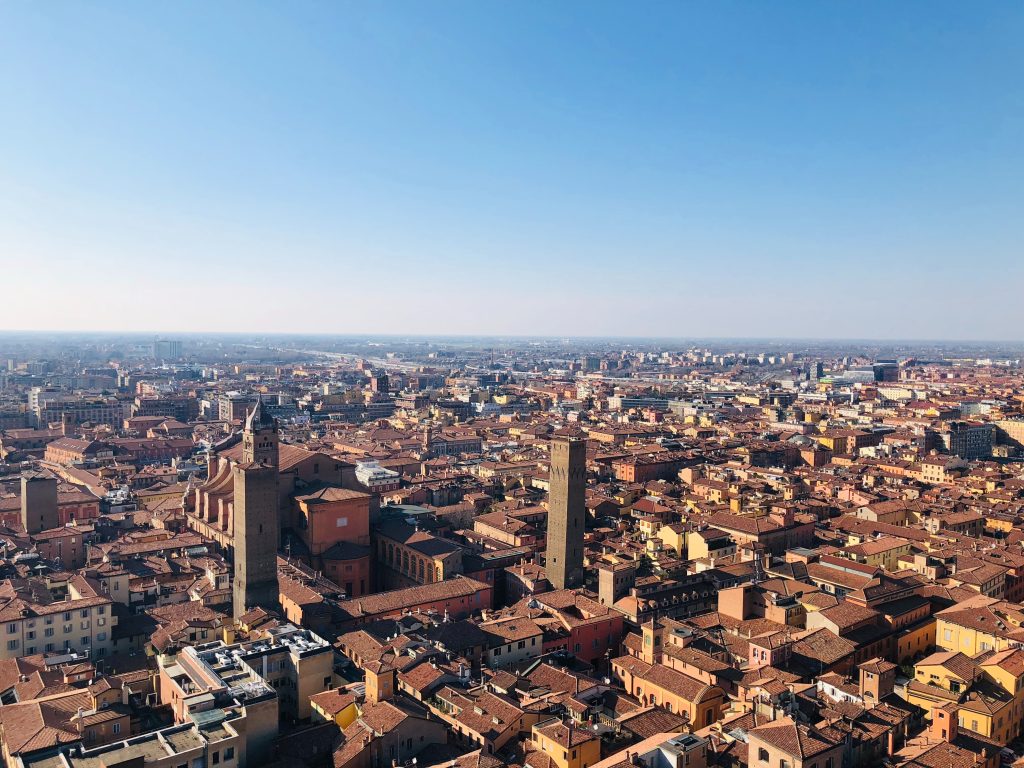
(256, 508)
(260, 439)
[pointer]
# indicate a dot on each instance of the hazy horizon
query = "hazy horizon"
(148, 336)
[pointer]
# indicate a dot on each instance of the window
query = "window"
(85, 613)
(828, 762)
(762, 755)
(216, 758)
(85, 641)
(117, 728)
(12, 628)
(12, 644)
(522, 644)
(783, 763)
(229, 753)
(101, 637)
(947, 635)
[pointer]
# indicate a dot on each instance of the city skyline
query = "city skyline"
(477, 168)
(299, 552)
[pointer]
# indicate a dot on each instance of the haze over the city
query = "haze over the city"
(789, 170)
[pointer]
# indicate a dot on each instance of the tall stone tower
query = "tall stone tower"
(566, 512)
(256, 505)
(38, 502)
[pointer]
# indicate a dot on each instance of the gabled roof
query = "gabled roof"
(801, 741)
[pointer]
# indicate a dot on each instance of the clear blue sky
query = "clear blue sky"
(849, 169)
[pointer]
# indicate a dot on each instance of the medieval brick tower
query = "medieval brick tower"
(256, 506)
(38, 502)
(566, 512)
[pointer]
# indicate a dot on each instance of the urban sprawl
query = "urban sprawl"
(221, 552)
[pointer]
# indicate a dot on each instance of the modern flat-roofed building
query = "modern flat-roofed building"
(167, 349)
(969, 440)
(281, 670)
(218, 741)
